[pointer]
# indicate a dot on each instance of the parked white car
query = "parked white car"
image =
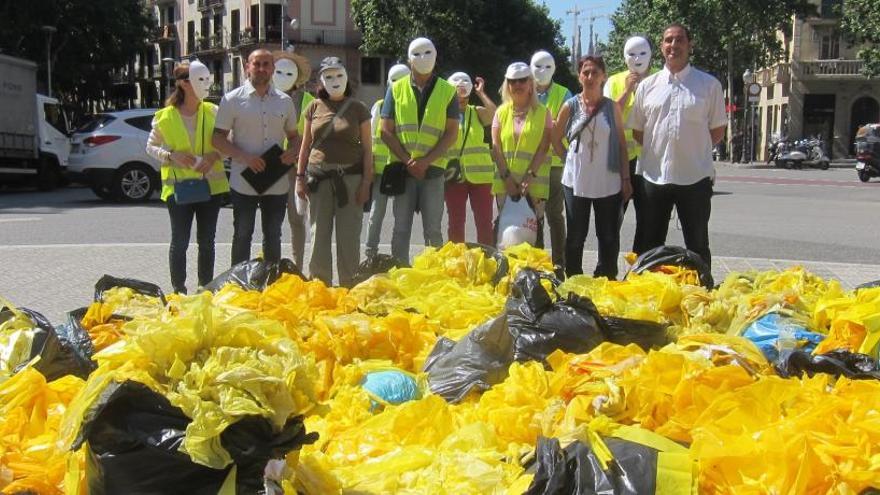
(108, 154)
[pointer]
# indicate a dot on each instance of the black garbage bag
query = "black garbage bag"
(477, 361)
(868, 285)
(575, 470)
(540, 326)
(645, 334)
(254, 274)
(838, 363)
(374, 265)
(677, 256)
(61, 353)
(146, 288)
(134, 436)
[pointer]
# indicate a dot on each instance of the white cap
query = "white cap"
(518, 70)
(396, 72)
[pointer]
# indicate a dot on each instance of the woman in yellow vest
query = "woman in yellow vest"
(181, 141)
(520, 140)
(475, 163)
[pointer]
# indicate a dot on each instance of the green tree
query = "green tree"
(93, 38)
(748, 28)
(861, 25)
(480, 37)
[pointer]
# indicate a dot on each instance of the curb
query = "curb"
(770, 166)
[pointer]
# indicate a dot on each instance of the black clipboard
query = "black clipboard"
(262, 181)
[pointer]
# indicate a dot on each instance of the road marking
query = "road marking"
(795, 182)
(19, 219)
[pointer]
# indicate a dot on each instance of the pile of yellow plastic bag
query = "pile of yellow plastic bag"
(104, 319)
(31, 411)
(851, 321)
(16, 341)
(214, 365)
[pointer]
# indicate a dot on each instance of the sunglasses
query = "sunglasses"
(521, 80)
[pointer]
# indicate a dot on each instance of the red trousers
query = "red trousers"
(457, 195)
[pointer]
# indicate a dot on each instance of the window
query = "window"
(166, 15)
(54, 117)
(236, 72)
(144, 123)
(255, 19)
(218, 24)
(273, 22)
(830, 8)
(95, 122)
(206, 27)
(235, 26)
(830, 46)
(190, 36)
(771, 89)
(371, 70)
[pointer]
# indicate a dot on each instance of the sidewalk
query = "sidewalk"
(55, 279)
(839, 163)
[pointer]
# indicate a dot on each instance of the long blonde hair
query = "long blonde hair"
(177, 95)
(506, 97)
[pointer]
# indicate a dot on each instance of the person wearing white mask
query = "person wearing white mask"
(552, 95)
(381, 158)
(181, 141)
(419, 123)
(335, 171)
(292, 71)
(475, 164)
(621, 88)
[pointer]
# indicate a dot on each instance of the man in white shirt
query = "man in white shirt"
(259, 117)
(678, 116)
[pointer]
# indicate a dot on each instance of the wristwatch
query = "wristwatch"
(533, 174)
(505, 174)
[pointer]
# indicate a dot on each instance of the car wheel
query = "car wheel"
(134, 182)
(863, 176)
(824, 165)
(102, 192)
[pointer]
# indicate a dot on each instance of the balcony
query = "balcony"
(335, 37)
(205, 5)
(830, 69)
(244, 38)
(166, 33)
(206, 45)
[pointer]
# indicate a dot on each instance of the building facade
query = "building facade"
(818, 88)
(221, 34)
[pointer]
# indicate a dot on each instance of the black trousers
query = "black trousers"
(694, 205)
(181, 216)
(637, 192)
(577, 220)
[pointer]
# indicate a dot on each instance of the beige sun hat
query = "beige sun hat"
(302, 65)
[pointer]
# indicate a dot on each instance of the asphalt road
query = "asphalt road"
(788, 214)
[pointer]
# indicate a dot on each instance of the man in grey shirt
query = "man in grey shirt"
(259, 117)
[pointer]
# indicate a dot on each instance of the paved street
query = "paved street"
(54, 246)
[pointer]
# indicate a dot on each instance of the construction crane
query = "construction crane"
(575, 12)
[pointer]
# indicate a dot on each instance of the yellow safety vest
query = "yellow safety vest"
(417, 139)
(176, 137)
(555, 100)
(381, 152)
(617, 86)
(301, 122)
(519, 152)
(477, 166)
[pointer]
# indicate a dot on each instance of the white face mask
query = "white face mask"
(543, 68)
(422, 55)
(285, 75)
(397, 71)
(334, 81)
(200, 79)
(462, 83)
(637, 53)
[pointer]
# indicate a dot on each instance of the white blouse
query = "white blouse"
(587, 173)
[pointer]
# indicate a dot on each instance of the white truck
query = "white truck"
(33, 128)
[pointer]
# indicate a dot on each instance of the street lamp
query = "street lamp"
(748, 78)
(166, 78)
(49, 30)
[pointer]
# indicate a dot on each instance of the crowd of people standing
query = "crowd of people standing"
(642, 134)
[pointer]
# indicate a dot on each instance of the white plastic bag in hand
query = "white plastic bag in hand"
(517, 223)
(302, 209)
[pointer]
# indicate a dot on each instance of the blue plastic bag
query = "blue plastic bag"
(391, 387)
(774, 332)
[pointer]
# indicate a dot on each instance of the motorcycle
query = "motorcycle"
(868, 152)
(800, 153)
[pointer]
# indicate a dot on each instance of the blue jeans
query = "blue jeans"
(377, 215)
(577, 216)
(181, 216)
(244, 216)
(428, 196)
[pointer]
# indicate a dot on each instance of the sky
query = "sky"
(602, 9)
